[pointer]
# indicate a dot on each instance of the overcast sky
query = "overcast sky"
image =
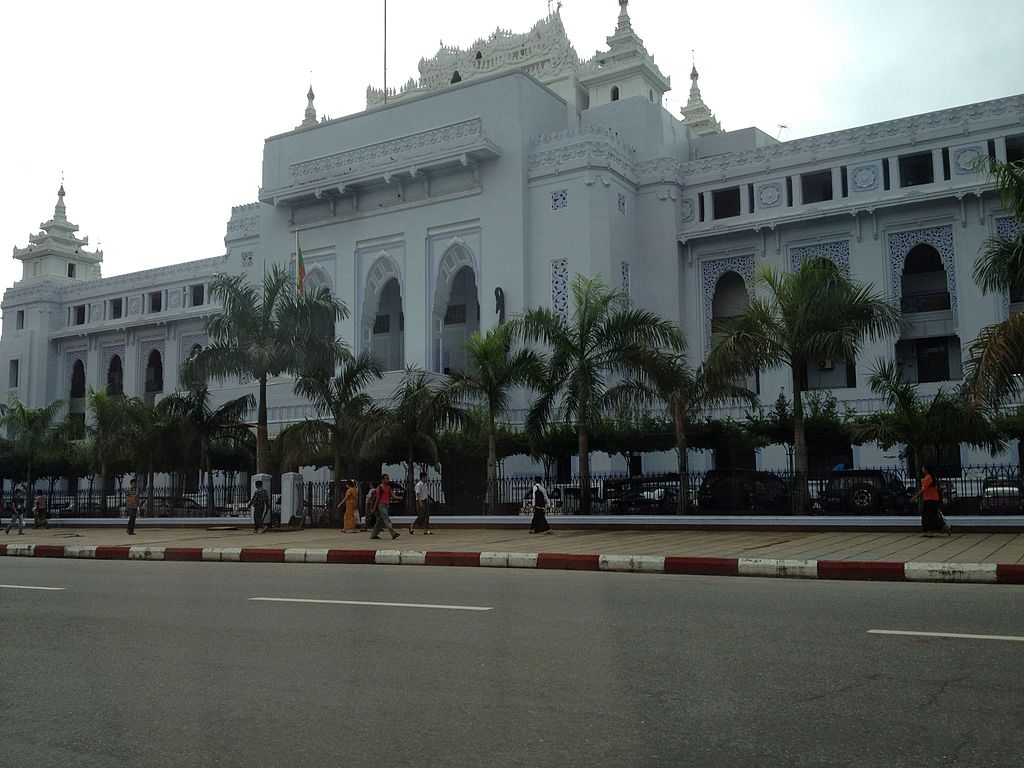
(156, 113)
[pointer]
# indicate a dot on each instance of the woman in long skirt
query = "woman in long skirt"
(932, 521)
(351, 503)
(539, 524)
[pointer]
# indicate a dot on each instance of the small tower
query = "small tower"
(696, 114)
(310, 118)
(626, 69)
(56, 253)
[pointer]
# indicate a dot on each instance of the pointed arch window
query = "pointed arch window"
(115, 376)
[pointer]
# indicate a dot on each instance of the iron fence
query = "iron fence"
(983, 489)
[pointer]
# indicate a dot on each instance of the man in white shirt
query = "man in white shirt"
(541, 502)
(422, 507)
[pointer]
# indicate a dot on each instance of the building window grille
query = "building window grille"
(559, 199)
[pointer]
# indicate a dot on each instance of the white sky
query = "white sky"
(156, 113)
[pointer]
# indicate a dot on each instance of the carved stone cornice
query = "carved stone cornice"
(580, 149)
(158, 277)
(394, 153)
(907, 130)
(244, 222)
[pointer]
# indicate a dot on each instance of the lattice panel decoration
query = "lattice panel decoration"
(108, 355)
(711, 272)
(1009, 227)
(939, 238)
(625, 278)
(559, 199)
(838, 252)
(560, 287)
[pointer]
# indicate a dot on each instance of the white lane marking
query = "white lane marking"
(42, 589)
(363, 602)
(955, 635)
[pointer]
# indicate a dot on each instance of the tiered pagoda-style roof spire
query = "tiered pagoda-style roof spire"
(696, 114)
(57, 238)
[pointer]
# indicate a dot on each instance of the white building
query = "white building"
(514, 164)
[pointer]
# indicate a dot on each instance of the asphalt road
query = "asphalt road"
(173, 664)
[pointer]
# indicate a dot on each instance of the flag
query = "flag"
(300, 268)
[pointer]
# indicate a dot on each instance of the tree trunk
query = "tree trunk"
(492, 474)
(684, 472)
(799, 445)
(335, 497)
(262, 443)
(149, 492)
(584, 468)
(210, 503)
(410, 497)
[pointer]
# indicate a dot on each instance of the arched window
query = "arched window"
(461, 320)
(115, 376)
(388, 339)
(456, 77)
(78, 380)
(615, 93)
(924, 281)
(155, 372)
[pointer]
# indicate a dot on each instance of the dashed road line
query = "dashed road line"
(370, 603)
(954, 635)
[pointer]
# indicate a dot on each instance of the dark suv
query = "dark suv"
(866, 491)
(743, 490)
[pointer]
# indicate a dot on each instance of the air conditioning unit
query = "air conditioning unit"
(827, 364)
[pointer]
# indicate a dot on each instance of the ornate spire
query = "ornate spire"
(624, 22)
(59, 211)
(696, 114)
(310, 118)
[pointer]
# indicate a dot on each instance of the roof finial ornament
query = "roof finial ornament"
(59, 211)
(310, 118)
(624, 22)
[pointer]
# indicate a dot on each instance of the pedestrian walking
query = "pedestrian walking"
(350, 501)
(131, 505)
(422, 507)
(258, 505)
(41, 518)
(17, 512)
(541, 502)
(383, 503)
(932, 521)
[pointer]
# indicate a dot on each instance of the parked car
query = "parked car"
(1001, 495)
(647, 499)
(566, 499)
(743, 490)
(864, 492)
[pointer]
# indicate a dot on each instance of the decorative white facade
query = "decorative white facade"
(482, 187)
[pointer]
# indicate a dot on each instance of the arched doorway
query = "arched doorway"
(461, 320)
(730, 300)
(115, 376)
(76, 401)
(154, 376)
(928, 348)
(456, 311)
(387, 341)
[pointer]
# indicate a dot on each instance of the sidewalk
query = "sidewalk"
(904, 555)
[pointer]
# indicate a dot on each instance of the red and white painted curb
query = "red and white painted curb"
(979, 573)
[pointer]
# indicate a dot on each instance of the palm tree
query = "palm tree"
(28, 430)
(812, 313)
(492, 375)
(343, 407)
(420, 409)
(922, 426)
(203, 426)
(153, 437)
(602, 343)
(996, 358)
(107, 434)
(688, 394)
(266, 332)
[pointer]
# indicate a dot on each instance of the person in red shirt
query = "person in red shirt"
(383, 503)
(931, 517)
